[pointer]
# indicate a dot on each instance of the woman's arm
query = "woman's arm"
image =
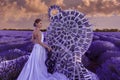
(39, 40)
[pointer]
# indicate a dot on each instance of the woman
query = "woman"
(35, 68)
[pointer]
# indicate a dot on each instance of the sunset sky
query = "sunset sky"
(20, 14)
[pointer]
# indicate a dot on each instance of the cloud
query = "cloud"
(21, 9)
(94, 7)
(14, 12)
(36, 6)
(59, 2)
(100, 7)
(21, 13)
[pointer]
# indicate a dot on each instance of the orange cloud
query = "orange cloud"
(14, 12)
(100, 7)
(36, 6)
(59, 2)
(20, 9)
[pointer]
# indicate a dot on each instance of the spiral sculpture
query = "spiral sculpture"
(70, 35)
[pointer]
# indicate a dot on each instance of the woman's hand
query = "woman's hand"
(49, 48)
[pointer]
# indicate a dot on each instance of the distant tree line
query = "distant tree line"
(107, 30)
(96, 30)
(23, 29)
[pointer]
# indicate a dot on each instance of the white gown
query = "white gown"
(35, 68)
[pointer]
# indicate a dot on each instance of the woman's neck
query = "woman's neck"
(37, 29)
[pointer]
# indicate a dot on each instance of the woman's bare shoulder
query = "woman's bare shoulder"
(37, 33)
(34, 32)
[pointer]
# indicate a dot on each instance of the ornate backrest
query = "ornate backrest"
(70, 35)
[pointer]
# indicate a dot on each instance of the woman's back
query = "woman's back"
(37, 36)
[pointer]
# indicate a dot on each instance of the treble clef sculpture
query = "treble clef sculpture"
(70, 35)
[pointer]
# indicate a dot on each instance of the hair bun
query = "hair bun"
(34, 24)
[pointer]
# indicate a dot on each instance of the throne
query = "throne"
(69, 34)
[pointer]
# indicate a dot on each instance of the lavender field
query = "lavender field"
(102, 58)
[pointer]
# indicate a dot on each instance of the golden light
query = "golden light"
(54, 12)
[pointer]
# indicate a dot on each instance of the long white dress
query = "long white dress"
(35, 68)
